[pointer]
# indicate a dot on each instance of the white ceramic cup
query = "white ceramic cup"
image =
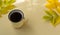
(16, 17)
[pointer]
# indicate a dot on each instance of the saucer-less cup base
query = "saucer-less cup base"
(17, 18)
(19, 25)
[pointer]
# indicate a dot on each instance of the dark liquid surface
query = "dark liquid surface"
(15, 17)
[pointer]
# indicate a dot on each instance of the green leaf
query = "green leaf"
(53, 20)
(6, 9)
(51, 13)
(52, 16)
(1, 3)
(48, 12)
(6, 6)
(57, 20)
(0, 16)
(48, 18)
(6, 2)
(11, 1)
(54, 13)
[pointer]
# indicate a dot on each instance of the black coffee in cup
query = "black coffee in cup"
(15, 15)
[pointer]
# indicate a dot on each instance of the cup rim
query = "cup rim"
(16, 10)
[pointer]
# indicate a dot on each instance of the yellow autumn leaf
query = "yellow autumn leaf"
(6, 6)
(1, 3)
(11, 1)
(54, 7)
(58, 4)
(58, 9)
(53, 24)
(0, 15)
(52, 1)
(57, 21)
(6, 2)
(50, 6)
(6, 9)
